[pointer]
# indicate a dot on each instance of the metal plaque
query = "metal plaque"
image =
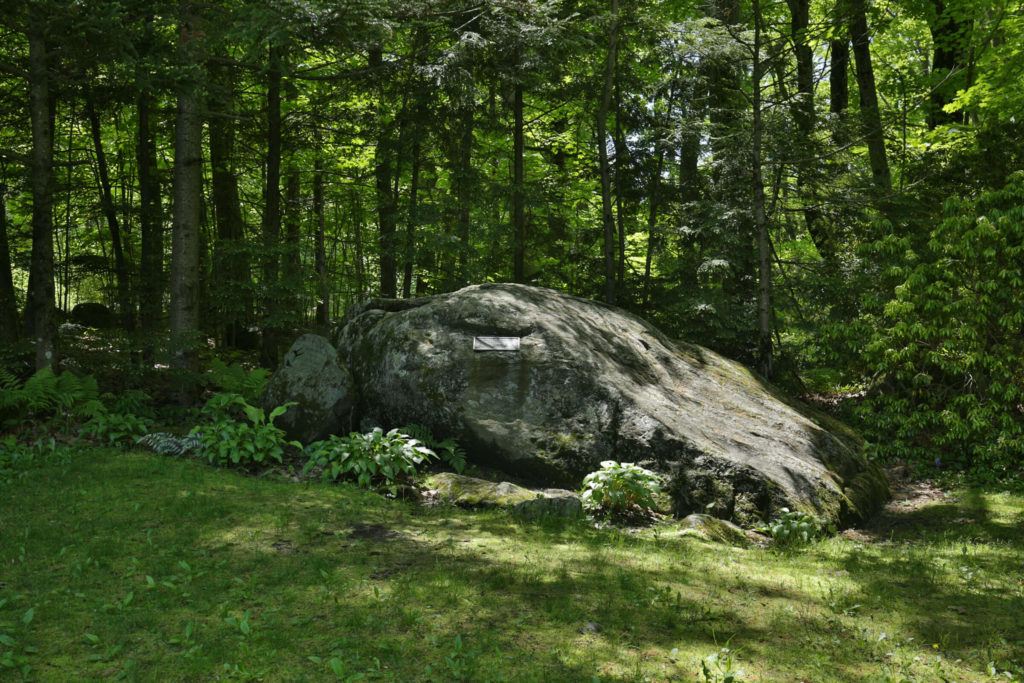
(495, 343)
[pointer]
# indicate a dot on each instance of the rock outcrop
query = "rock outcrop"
(312, 377)
(583, 382)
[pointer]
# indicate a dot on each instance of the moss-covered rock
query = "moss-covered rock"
(591, 382)
(713, 529)
(471, 492)
(312, 377)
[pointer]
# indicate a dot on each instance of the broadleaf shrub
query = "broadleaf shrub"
(620, 488)
(948, 350)
(237, 433)
(793, 528)
(448, 450)
(115, 428)
(376, 459)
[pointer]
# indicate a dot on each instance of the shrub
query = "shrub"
(947, 350)
(375, 459)
(238, 433)
(115, 428)
(620, 489)
(791, 529)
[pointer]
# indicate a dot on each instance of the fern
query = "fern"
(45, 394)
(235, 379)
(169, 444)
(448, 450)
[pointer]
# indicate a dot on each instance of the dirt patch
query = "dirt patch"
(372, 532)
(908, 496)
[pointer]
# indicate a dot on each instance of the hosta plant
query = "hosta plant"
(620, 488)
(241, 434)
(376, 459)
(793, 528)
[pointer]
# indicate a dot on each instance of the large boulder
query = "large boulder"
(312, 377)
(590, 382)
(92, 314)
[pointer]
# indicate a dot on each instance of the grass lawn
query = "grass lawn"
(130, 565)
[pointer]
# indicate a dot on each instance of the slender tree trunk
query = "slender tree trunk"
(357, 239)
(518, 179)
(323, 300)
(871, 120)
(410, 229)
(652, 225)
(271, 224)
(607, 219)
(40, 303)
(8, 301)
(292, 269)
(464, 179)
(124, 299)
(385, 194)
(188, 178)
(764, 301)
(621, 159)
(231, 265)
(949, 63)
(839, 61)
(151, 280)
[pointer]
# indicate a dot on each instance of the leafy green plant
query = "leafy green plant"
(620, 488)
(793, 528)
(374, 460)
(234, 378)
(448, 450)
(238, 433)
(720, 667)
(45, 394)
(114, 428)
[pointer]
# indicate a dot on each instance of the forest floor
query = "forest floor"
(142, 567)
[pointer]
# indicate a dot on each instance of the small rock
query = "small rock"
(713, 529)
(590, 627)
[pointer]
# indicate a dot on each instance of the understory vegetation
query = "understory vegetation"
(138, 566)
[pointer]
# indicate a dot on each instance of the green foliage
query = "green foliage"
(792, 529)
(17, 459)
(237, 433)
(45, 394)
(720, 668)
(620, 488)
(234, 378)
(374, 460)
(949, 348)
(448, 450)
(115, 428)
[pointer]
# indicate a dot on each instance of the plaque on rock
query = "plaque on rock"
(495, 343)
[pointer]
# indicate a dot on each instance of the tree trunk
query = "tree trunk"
(271, 223)
(8, 301)
(292, 266)
(764, 301)
(464, 180)
(410, 229)
(871, 121)
(323, 299)
(231, 265)
(188, 177)
(518, 178)
(385, 196)
(151, 266)
(607, 219)
(40, 304)
(124, 299)
(804, 117)
(949, 63)
(652, 225)
(839, 61)
(621, 159)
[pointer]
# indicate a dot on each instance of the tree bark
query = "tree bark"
(185, 238)
(949, 63)
(871, 120)
(40, 305)
(385, 196)
(607, 219)
(839, 61)
(8, 301)
(323, 300)
(652, 224)
(518, 178)
(231, 264)
(271, 223)
(764, 302)
(151, 266)
(410, 229)
(464, 180)
(124, 299)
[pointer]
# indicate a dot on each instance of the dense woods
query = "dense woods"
(828, 190)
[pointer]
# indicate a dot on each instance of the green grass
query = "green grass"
(131, 565)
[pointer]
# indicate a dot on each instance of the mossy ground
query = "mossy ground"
(131, 565)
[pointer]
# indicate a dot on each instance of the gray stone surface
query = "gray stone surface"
(590, 383)
(473, 492)
(311, 375)
(713, 529)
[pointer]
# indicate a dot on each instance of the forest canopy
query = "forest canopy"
(830, 191)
